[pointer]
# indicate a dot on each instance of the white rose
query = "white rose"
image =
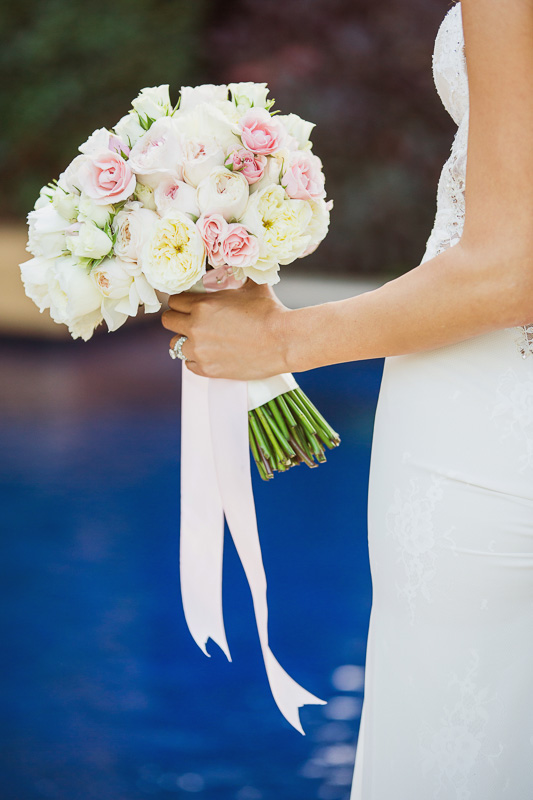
(280, 223)
(145, 194)
(123, 287)
(191, 96)
(74, 298)
(266, 272)
(89, 241)
(158, 152)
(133, 225)
(318, 225)
(66, 204)
(153, 102)
(46, 196)
(34, 275)
(174, 259)
(88, 210)
(248, 94)
(46, 232)
(199, 158)
(129, 129)
(173, 193)
(297, 127)
(97, 141)
(69, 179)
(223, 192)
(209, 123)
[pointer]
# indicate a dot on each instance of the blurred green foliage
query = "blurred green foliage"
(68, 67)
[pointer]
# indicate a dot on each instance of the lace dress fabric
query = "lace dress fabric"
(448, 700)
(451, 80)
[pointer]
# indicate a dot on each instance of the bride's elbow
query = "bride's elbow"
(507, 272)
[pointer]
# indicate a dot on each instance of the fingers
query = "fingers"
(184, 301)
(177, 321)
(185, 348)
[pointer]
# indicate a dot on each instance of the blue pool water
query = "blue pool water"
(105, 695)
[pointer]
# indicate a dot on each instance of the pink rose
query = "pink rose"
(260, 132)
(239, 247)
(106, 178)
(212, 229)
(303, 178)
(251, 165)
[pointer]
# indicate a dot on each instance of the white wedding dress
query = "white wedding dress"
(448, 704)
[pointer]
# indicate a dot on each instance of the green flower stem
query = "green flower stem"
(268, 430)
(289, 430)
(300, 415)
(316, 414)
(318, 422)
(257, 457)
(282, 439)
(278, 416)
(285, 410)
(299, 435)
(259, 435)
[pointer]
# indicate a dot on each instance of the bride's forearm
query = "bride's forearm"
(456, 295)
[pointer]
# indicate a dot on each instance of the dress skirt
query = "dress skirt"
(448, 702)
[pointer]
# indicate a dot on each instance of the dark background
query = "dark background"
(359, 69)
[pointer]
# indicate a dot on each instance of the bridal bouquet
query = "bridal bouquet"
(199, 196)
(216, 184)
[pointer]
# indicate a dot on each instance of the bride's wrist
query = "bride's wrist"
(299, 334)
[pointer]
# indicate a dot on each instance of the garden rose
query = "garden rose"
(239, 247)
(173, 193)
(250, 164)
(208, 124)
(212, 228)
(318, 225)
(280, 223)
(123, 288)
(157, 153)
(260, 132)
(208, 93)
(106, 178)
(173, 259)
(133, 226)
(303, 178)
(199, 158)
(223, 192)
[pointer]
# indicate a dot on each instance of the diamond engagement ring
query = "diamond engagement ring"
(175, 352)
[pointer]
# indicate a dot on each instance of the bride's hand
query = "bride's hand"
(231, 333)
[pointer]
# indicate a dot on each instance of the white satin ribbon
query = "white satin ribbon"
(216, 481)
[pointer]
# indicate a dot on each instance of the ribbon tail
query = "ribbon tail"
(201, 519)
(228, 411)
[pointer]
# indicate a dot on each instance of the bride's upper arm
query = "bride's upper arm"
(498, 37)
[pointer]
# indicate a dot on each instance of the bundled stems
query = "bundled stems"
(289, 430)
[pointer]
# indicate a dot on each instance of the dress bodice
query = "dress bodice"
(451, 81)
